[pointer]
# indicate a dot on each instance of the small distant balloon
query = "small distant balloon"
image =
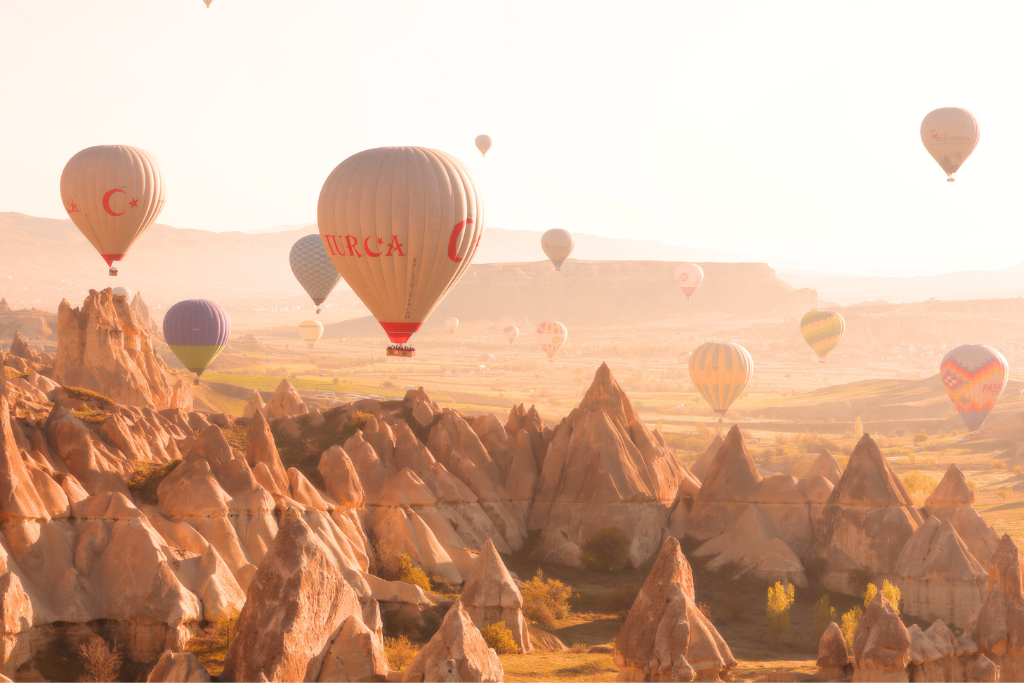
(313, 268)
(684, 357)
(974, 377)
(487, 357)
(311, 331)
(950, 135)
(197, 331)
(721, 371)
(483, 143)
(557, 245)
(122, 291)
(822, 331)
(551, 336)
(208, 2)
(451, 324)
(689, 276)
(511, 333)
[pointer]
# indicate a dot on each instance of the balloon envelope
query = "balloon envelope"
(511, 333)
(689, 276)
(822, 331)
(486, 357)
(112, 193)
(557, 245)
(684, 358)
(720, 371)
(974, 377)
(551, 336)
(311, 331)
(483, 143)
(451, 324)
(401, 225)
(197, 330)
(122, 291)
(950, 135)
(313, 268)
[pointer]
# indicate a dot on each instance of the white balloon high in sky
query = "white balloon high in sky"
(401, 225)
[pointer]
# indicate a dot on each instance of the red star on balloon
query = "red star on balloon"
(380, 240)
(134, 203)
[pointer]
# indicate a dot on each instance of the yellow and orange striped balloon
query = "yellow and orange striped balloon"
(822, 331)
(551, 335)
(720, 371)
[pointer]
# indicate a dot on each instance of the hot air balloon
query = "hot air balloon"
(312, 267)
(208, 3)
(122, 291)
(720, 371)
(950, 135)
(557, 244)
(401, 225)
(113, 193)
(511, 332)
(197, 330)
(451, 324)
(487, 357)
(689, 276)
(822, 331)
(551, 336)
(483, 143)
(684, 358)
(974, 377)
(311, 331)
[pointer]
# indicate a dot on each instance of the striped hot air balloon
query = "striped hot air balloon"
(511, 333)
(311, 331)
(822, 331)
(720, 371)
(551, 336)
(112, 193)
(197, 331)
(313, 268)
(974, 377)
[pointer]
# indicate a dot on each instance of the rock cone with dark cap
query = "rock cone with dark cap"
(723, 496)
(666, 637)
(604, 468)
(866, 522)
(953, 500)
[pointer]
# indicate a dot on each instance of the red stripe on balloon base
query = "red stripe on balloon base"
(110, 258)
(399, 333)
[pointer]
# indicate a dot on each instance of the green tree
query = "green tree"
(780, 599)
(824, 614)
(920, 437)
(849, 625)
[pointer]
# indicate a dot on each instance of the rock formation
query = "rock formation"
(866, 522)
(934, 654)
(953, 500)
(998, 624)
(255, 405)
(4, 306)
(604, 468)
(20, 348)
(833, 659)
(490, 595)
(457, 652)
(881, 644)
(665, 635)
(703, 464)
(285, 402)
(825, 466)
(938, 576)
(102, 347)
(142, 313)
(730, 480)
(753, 546)
(295, 616)
(178, 667)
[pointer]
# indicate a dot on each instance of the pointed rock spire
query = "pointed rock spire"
(490, 595)
(826, 466)
(260, 448)
(703, 464)
(870, 480)
(726, 488)
(952, 490)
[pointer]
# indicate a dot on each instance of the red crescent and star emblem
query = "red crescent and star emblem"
(106, 201)
(134, 203)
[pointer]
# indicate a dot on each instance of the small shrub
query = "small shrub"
(387, 560)
(920, 437)
(499, 636)
(579, 648)
(441, 586)
(102, 662)
(891, 593)
(1006, 494)
(410, 573)
(705, 610)
(859, 579)
(605, 550)
(90, 415)
(146, 479)
(224, 627)
(736, 607)
(849, 625)
(357, 420)
(545, 600)
(399, 652)
(541, 614)
(824, 614)
(780, 599)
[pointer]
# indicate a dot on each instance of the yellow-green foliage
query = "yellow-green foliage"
(824, 614)
(891, 593)
(780, 599)
(87, 414)
(88, 396)
(849, 625)
(546, 600)
(146, 480)
(357, 420)
(410, 573)
(919, 484)
(499, 636)
(399, 652)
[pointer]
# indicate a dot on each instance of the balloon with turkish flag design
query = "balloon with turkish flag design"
(401, 225)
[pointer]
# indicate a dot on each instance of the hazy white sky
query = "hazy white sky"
(788, 132)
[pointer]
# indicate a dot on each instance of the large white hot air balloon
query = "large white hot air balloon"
(557, 245)
(451, 324)
(401, 225)
(483, 143)
(689, 277)
(113, 193)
